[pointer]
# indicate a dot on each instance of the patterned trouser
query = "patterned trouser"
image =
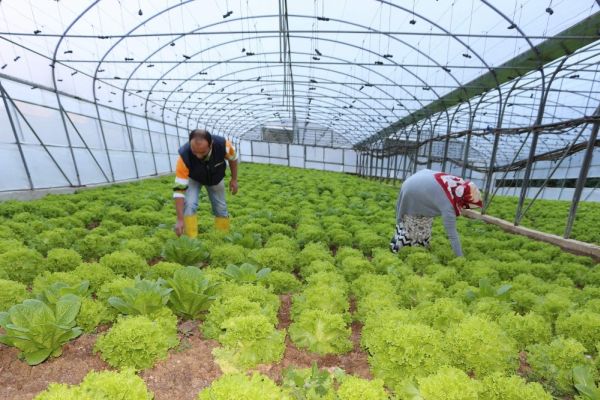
(412, 231)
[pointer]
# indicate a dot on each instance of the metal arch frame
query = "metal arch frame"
(267, 119)
(271, 110)
(95, 78)
(272, 84)
(449, 34)
(272, 16)
(270, 92)
(391, 98)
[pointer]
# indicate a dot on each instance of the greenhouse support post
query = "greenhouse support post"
(585, 167)
(12, 124)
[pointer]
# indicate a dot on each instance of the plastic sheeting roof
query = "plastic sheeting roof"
(350, 68)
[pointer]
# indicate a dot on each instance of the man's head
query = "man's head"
(200, 142)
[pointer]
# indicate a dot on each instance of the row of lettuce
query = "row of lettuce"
(514, 319)
(551, 216)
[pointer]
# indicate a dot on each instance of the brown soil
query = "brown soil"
(187, 370)
(19, 381)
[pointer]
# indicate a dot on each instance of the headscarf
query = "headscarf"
(461, 193)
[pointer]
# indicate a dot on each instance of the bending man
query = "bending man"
(202, 162)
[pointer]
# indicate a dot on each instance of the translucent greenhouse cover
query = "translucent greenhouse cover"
(344, 68)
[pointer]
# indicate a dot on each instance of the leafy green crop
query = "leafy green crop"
(238, 386)
(321, 332)
(136, 342)
(192, 293)
(39, 330)
(144, 298)
(247, 341)
(11, 293)
(185, 251)
(246, 273)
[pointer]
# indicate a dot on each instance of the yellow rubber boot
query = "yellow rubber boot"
(190, 224)
(222, 224)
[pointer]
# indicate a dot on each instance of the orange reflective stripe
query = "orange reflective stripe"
(229, 151)
(181, 170)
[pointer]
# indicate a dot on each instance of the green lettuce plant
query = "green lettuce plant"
(147, 248)
(21, 264)
(192, 293)
(442, 313)
(373, 304)
(274, 258)
(228, 307)
(353, 267)
(330, 279)
(447, 383)
(11, 293)
(316, 267)
(313, 252)
(57, 290)
(46, 279)
(268, 301)
(247, 341)
(480, 346)
(62, 260)
(224, 254)
(239, 386)
(354, 388)
(185, 251)
(248, 240)
(144, 298)
(310, 383)
(422, 350)
(554, 362)
(346, 251)
(95, 245)
(526, 329)
(584, 382)
(321, 332)
(368, 283)
(39, 330)
(584, 326)
(91, 314)
(320, 297)
(163, 269)
(500, 387)
(96, 274)
(281, 282)
(246, 273)
(125, 263)
(136, 342)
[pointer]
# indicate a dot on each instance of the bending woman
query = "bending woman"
(428, 194)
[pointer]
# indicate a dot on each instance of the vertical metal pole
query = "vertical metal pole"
(151, 145)
(404, 159)
(12, 124)
(490, 172)
(583, 172)
(112, 172)
(62, 117)
(530, 159)
(395, 167)
(416, 157)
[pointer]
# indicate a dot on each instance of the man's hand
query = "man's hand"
(179, 227)
(233, 186)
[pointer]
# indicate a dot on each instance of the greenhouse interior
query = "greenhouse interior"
(224, 200)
